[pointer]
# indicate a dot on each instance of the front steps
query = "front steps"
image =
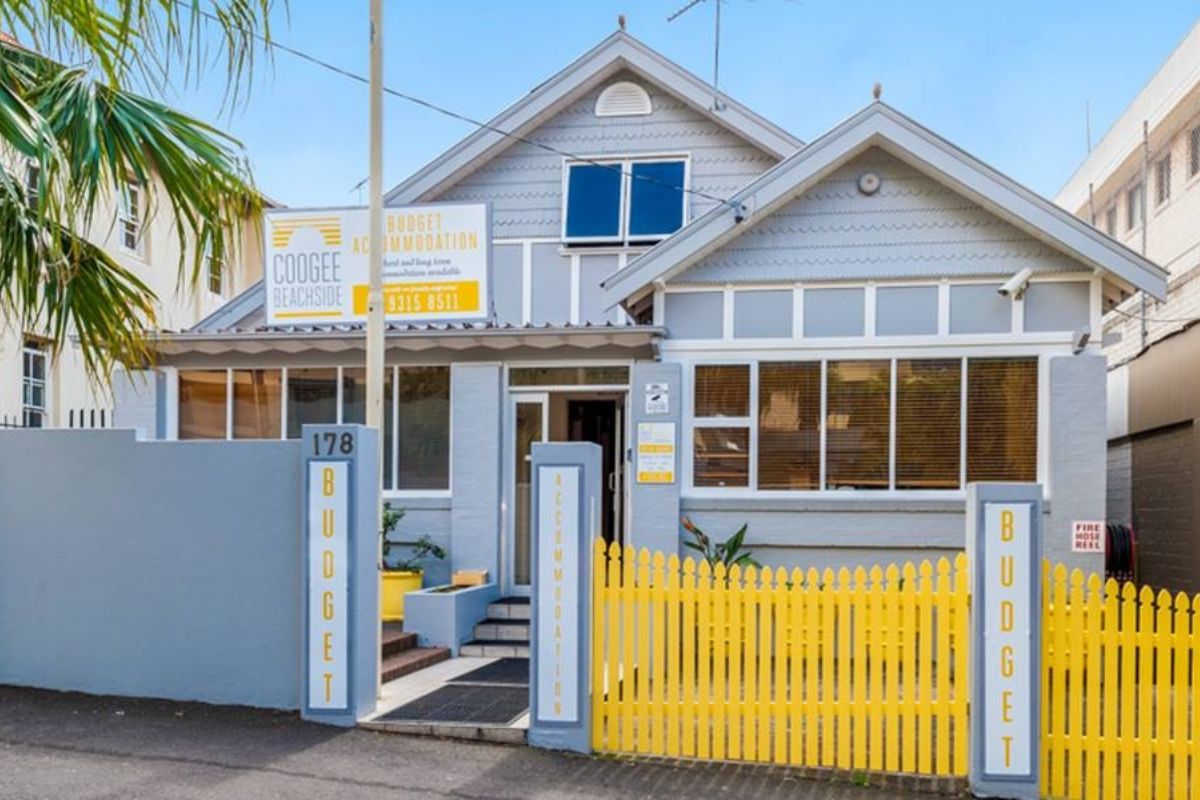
(505, 632)
(401, 656)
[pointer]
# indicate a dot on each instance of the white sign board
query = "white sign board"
(1007, 640)
(656, 452)
(1087, 537)
(658, 398)
(558, 593)
(328, 585)
(435, 264)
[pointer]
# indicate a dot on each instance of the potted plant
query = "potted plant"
(402, 575)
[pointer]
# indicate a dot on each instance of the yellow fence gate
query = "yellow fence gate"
(863, 671)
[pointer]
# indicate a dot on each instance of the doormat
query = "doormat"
(505, 672)
(479, 705)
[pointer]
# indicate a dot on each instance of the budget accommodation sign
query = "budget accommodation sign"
(436, 264)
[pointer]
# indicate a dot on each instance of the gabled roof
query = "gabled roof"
(879, 125)
(616, 53)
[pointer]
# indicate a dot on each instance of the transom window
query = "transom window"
(624, 201)
(877, 424)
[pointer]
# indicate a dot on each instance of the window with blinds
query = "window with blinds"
(721, 457)
(202, 411)
(722, 390)
(858, 422)
(789, 426)
(928, 423)
(1002, 419)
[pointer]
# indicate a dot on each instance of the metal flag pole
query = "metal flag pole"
(375, 255)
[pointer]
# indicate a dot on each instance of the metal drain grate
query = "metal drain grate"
(504, 672)
(481, 705)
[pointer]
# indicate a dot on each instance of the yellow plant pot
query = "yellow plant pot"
(393, 585)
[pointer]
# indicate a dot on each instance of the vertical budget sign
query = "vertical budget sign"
(340, 577)
(328, 586)
(566, 503)
(1005, 547)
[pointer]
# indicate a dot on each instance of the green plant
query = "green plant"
(423, 548)
(731, 552)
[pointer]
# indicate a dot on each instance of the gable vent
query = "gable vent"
(623, 99)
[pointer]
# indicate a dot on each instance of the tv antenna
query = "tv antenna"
(718, 105)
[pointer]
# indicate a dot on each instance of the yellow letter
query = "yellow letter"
(328, 686)
(1007, 750)
(327, 639)
(1006, 615)
(327, 482)
(1006, 661)
(327, 523)
(327, 564)
(1006, 571)
(1006, 706)
(327, 605)
(1006, 526)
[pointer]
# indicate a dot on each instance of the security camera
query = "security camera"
(1082, 337)
(1015, 286)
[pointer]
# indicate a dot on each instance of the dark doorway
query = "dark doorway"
(600, 422)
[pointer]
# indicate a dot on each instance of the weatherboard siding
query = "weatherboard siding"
(913, 226)
(524, 183)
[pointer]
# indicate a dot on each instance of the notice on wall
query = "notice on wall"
(1008, 640)
(558, 593)
(656, 452)
(435, 264)
(1087, 537)
(328, 585)
(658, 399)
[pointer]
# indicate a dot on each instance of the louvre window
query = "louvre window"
(1162, 180)
(721, 453)
(723, 390)
(722, 457)
(624, 201)
(1002, 419)
(857, 420)
(928, 424)
(789, 426)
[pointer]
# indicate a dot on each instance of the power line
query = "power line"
(737, 207)
(1181, 320)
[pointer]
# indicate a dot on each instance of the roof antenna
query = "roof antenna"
(621, 21)
(877, 90)
(718, 104)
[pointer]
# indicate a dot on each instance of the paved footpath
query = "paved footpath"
(60, 745)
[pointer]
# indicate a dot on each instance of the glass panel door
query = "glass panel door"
(530, 425)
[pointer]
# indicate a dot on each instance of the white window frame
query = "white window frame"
(1134, 221)
(687, 444)
(1162, 188)
(625, 163)
(129, 216)
(209, 274)
(34, 349)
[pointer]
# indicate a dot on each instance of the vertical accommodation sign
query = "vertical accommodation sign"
(328, 605)
(558, 593)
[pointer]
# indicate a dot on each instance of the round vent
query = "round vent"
(623, 99)
(868, 183)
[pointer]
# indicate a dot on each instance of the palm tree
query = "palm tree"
(66, 107)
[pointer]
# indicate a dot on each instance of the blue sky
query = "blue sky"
(1008, 81)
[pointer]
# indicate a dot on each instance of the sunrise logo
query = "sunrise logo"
(330, 229)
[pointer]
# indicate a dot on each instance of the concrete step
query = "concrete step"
(496, 734)
(396, 640)
(411, 660)
(504, 630)
(494, 648)
(509, 608)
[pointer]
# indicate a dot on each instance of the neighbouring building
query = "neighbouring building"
(42, 391)
(822, 324)
(1141, 186)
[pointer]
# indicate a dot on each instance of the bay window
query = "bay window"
(878, 424)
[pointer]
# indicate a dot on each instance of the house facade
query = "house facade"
(1141, 185)
(824, 341)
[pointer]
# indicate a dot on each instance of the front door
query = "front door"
(531, 424)
(600, 422)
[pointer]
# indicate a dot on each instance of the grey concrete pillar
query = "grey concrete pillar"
(654, 507)
(1078, 458)
(139, 402)
(476, 402)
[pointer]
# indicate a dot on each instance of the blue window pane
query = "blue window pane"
(656, 199)
(593, 201)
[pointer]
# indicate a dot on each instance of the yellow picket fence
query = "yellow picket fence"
(854, 670)
(1121, 668)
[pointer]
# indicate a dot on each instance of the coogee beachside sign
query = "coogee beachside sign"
(435, 264)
